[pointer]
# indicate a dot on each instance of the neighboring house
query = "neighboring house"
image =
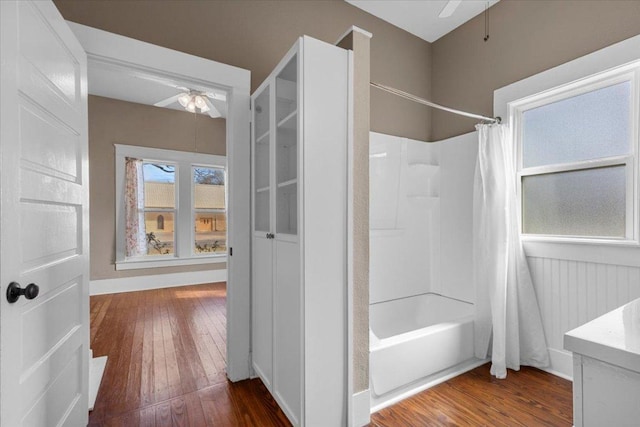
(210, 228)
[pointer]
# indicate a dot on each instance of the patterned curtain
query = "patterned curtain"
(135, 234)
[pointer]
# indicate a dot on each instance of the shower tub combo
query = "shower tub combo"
(417, 342)
(420, 312)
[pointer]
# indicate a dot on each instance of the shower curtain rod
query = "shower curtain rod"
(433, 104)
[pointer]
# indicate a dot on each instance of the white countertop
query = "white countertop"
(612, 338)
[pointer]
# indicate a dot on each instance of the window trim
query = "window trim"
(184, 161)
(619, 57)
(630, 161)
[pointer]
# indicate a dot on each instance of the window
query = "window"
(577, 163)
(209, 214)
(170, 209)
(159, 197)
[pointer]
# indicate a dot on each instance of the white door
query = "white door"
(44, 239)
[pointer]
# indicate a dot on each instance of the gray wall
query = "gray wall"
(526, 37)
(256, 34)
(119, 122)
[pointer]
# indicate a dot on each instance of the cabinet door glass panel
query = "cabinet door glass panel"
(287, 148)
(262, 157)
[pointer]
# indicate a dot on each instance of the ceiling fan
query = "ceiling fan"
(449, 8)
(196, 101)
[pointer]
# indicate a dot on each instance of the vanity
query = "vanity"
(606, 368)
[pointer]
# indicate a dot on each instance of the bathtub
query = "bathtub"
(417, 342)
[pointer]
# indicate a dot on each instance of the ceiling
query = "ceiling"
(420, 17)
(130, 85)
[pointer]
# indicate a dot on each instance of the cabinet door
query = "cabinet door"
(286, 150)
(262, 259)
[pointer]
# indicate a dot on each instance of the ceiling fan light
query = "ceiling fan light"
(204, 108)
(184, 99)
(191, 107)
(200, 102)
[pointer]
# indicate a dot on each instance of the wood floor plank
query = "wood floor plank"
(97, 314)
(134, 379)
(173, 371)
(160, 380)
(147, 394)
(194, 410)
(148, 417)
(207, 350)
(218, 407)
(179, 417)
(192, 373)
(163, 415)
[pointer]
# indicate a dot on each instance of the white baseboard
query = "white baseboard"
(361, 406)
(156, 281)
(97, 366)
(561, 364)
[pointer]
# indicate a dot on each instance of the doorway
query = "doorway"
(145, 63)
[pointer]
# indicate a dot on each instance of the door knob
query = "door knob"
(14, 291)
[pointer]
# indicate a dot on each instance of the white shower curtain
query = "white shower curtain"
(507, 313)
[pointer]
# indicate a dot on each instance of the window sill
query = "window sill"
(625, 253)
(134, 264)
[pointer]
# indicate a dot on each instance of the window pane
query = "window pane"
(159, 229)
(588, 126)
(209, 188)
(159, 185)
(211, 233)
(579, 203)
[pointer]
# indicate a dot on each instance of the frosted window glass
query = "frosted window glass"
(588, 202)
(585, 127)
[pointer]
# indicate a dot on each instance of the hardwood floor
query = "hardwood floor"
(166, 367)
(529, 398)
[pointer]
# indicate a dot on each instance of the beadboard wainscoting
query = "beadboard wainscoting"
(571, 293)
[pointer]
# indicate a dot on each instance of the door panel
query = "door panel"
(44, 219)
(262, 309)
(287, 376)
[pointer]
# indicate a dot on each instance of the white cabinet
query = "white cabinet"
(300, 146)
(606, 369)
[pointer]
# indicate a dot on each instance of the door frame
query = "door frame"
(106, 49)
